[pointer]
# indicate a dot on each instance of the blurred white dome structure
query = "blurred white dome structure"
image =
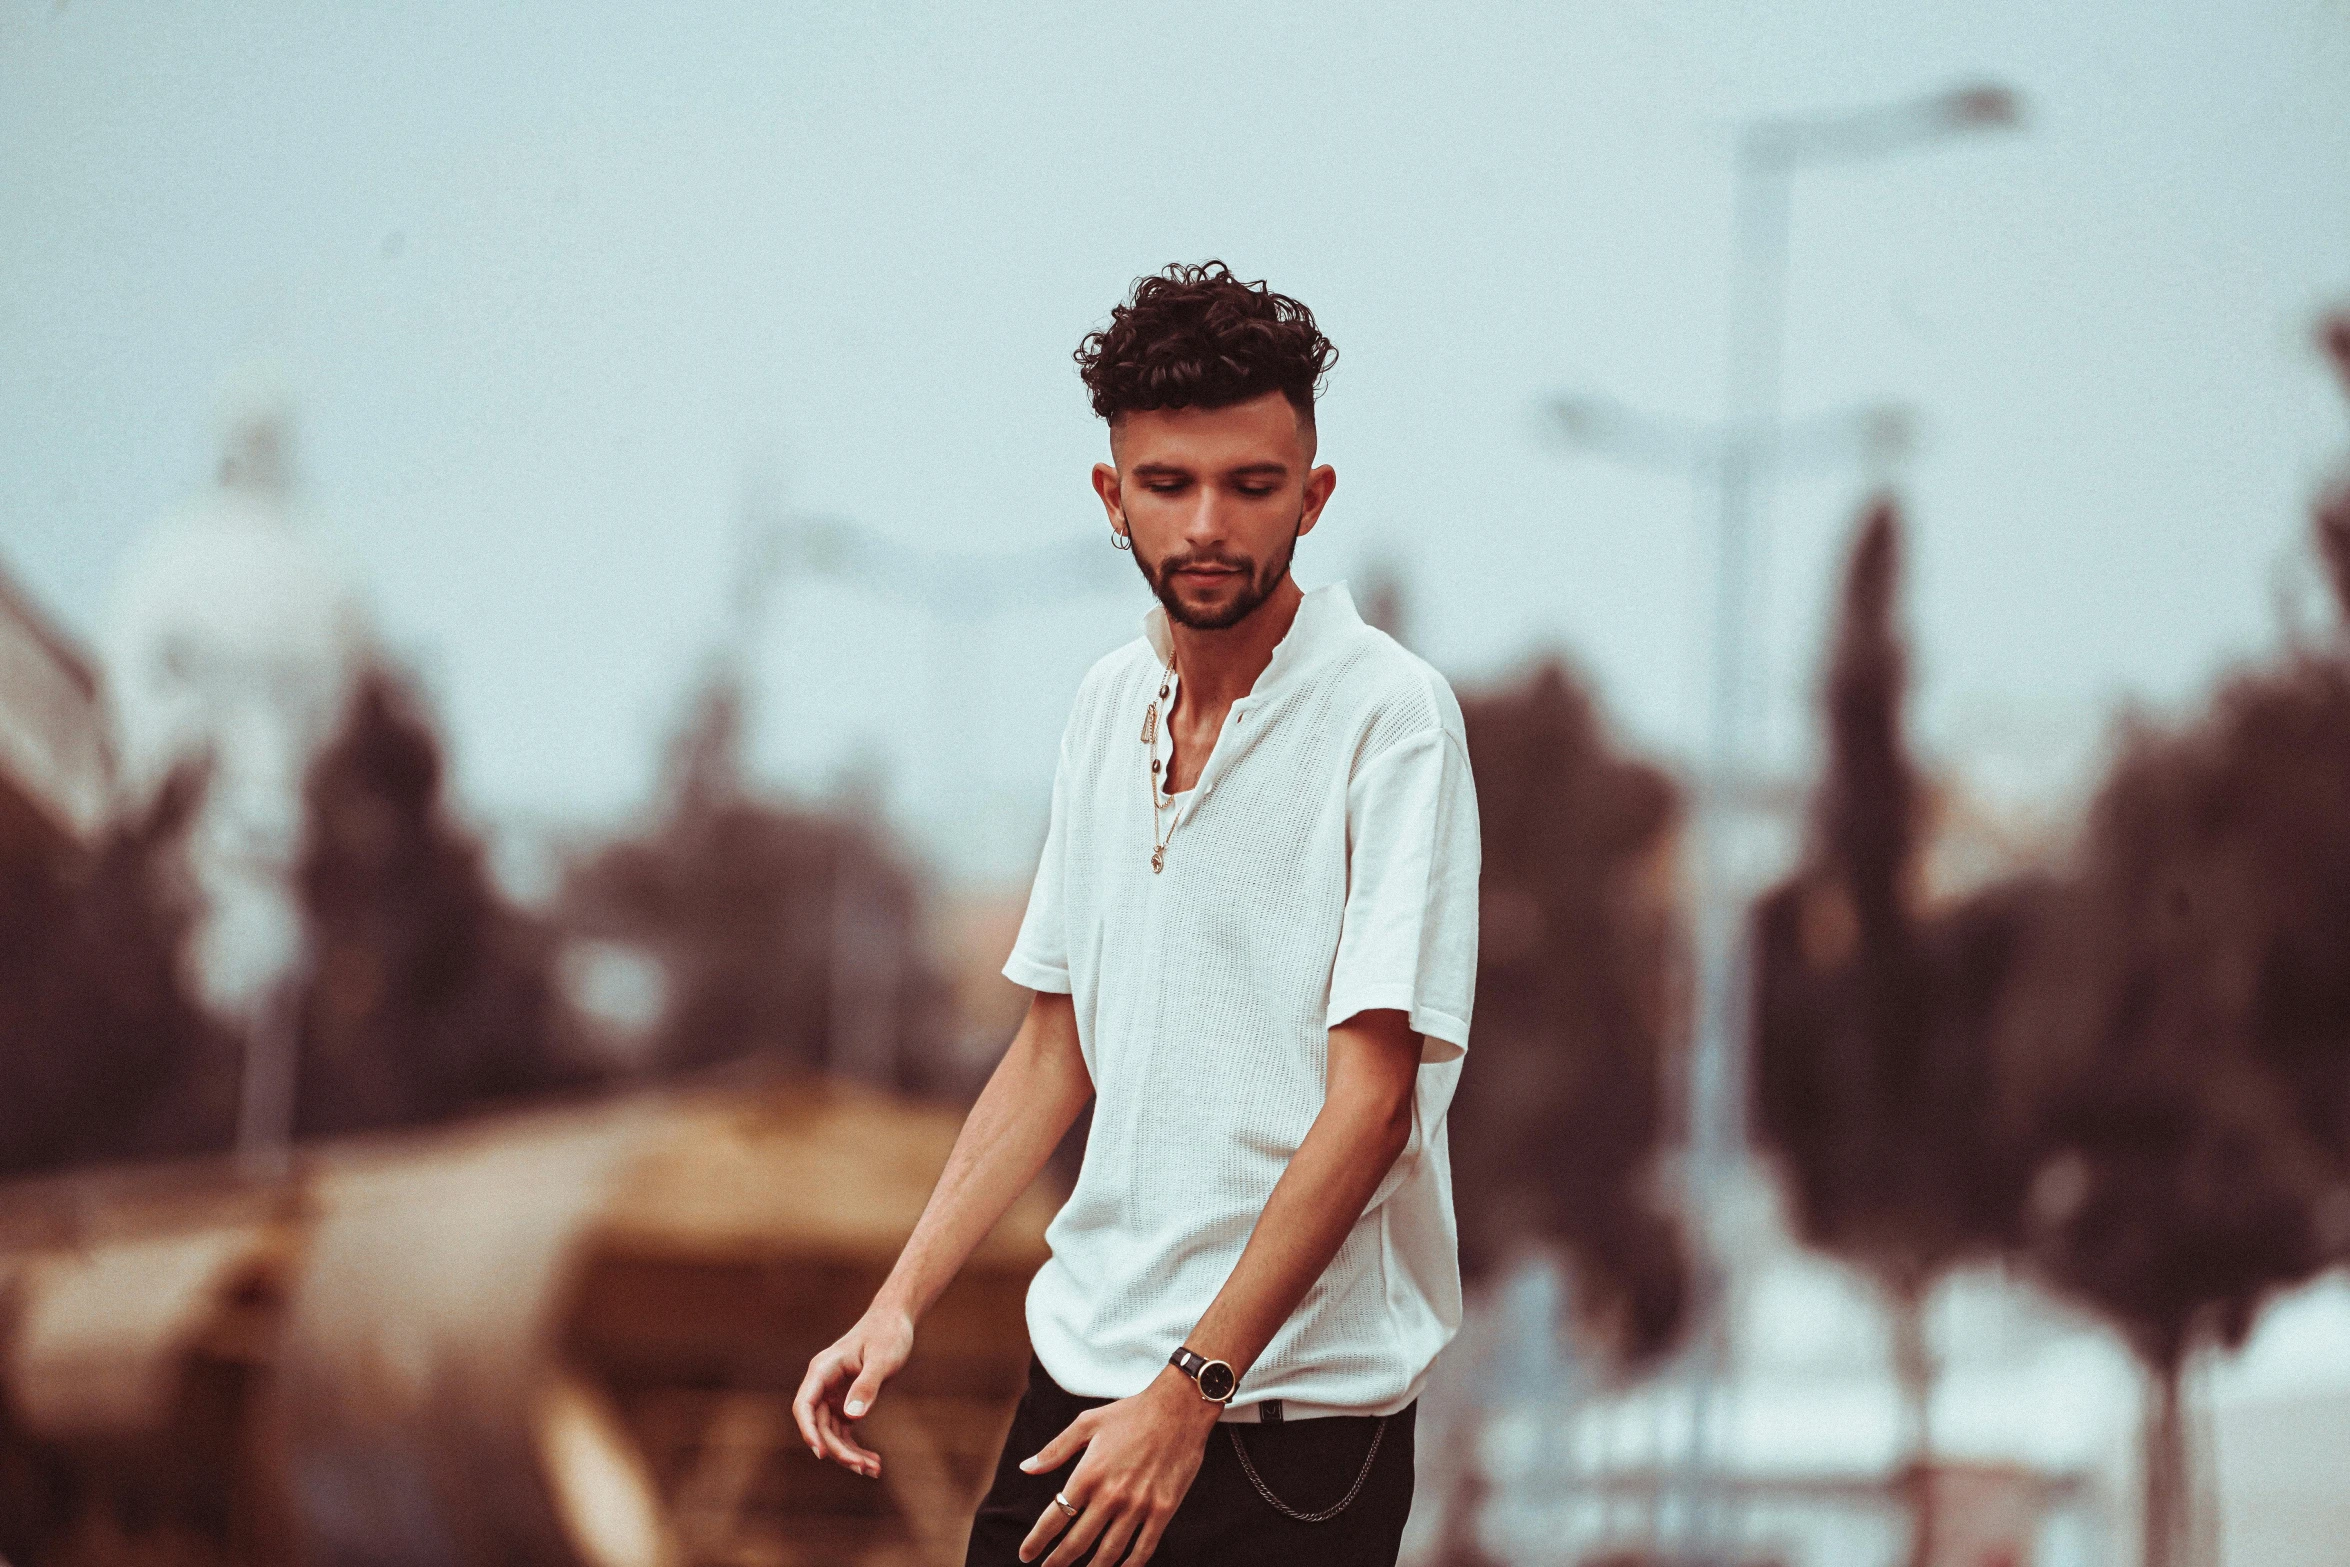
(233, 632)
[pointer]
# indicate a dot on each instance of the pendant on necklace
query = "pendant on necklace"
(1150, 724)
(1158, 859)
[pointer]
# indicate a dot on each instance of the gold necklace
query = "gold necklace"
(1150, 733)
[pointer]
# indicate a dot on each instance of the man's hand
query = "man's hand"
(1030, 1100)
(1141, 1455)
(871, 1352)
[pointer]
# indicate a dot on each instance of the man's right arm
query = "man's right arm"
(1028, 1105)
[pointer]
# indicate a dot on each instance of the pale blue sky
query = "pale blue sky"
(550, 287)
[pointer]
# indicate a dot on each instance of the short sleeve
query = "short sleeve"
(1409, 936)
(1040, 953)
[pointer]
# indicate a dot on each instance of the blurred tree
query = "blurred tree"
(2181, 1047)
(426, 993)
(788, 936)
(1871, 1019)
(1581, 1010)
(2137, 1073)
(2333, 507)
(103, 1050)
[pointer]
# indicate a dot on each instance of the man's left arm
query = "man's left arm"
(1365, 1123)
(1149, 1447)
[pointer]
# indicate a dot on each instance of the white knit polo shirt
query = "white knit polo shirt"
(1325, 863)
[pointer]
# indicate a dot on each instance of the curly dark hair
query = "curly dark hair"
(1198, 337)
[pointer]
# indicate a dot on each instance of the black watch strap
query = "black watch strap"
(1215, 1378)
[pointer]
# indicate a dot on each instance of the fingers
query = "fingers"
(1045, 1460)
(1048, 1523)
(1061, 1448)
(1104, 1519)
(806, 1401)
(1146, 1541)
(1084, 1529)
(820, 1425)
(1114, 1538)
(856, 1406)
(864, 1390)
(844, 1449)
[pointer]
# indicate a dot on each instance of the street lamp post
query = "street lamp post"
(1769, 154)
(1741, 459)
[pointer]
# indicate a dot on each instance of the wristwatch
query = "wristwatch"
(1216, 1382)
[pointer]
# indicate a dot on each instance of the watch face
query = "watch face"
(1216, 1380)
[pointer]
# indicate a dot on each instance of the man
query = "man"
(1252, 939)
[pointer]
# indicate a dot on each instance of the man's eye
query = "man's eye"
(1257, 491)
(1165, 487)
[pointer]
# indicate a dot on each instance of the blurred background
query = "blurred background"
(544, 554)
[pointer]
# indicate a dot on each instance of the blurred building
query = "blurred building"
(570, 1337)
(56, 764)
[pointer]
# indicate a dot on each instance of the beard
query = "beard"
(1257, 583)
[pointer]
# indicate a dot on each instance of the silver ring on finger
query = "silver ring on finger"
(1061, 1500)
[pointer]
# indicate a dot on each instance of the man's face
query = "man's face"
(1214, 500)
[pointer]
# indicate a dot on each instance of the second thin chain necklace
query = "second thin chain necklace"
(1150, 735)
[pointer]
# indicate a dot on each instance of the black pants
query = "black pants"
(1222, 1522)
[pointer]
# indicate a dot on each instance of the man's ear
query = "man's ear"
(1319, 484)
(1105, 485)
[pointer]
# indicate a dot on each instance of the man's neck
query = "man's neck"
(1220, 667)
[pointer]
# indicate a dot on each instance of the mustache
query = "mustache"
(1187, 562)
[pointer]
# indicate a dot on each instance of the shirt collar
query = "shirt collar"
(1325, 614)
